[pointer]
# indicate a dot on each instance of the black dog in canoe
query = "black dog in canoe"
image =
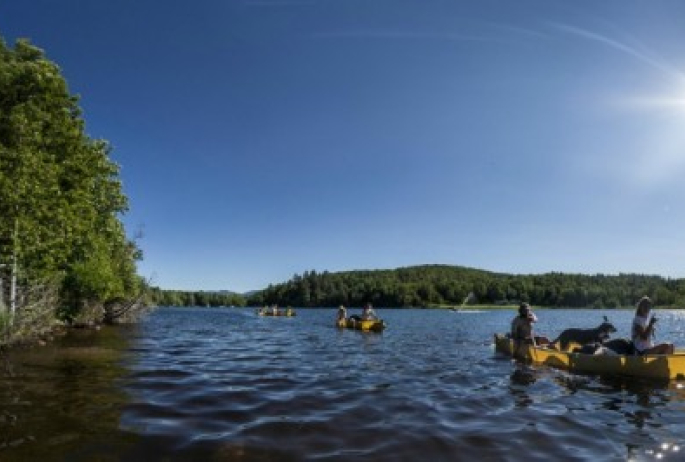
(617, 346)
(584, 336)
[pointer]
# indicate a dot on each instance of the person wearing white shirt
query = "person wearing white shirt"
(368, 314)
(643, 331)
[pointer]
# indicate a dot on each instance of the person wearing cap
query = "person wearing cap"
(643, 331)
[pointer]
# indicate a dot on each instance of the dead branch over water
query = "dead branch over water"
(34, 317)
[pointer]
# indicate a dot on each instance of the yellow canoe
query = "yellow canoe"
(280, 313)
(652, 366)
(368, 325)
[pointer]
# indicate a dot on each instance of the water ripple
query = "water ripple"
(225, 385)
(272, 388)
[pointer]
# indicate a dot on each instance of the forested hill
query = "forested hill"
(420, 286)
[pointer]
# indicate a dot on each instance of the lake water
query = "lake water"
(227, 385)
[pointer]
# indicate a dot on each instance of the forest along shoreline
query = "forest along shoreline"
(443, 286)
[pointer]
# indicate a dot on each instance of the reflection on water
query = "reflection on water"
(62, 398)
(201, 384)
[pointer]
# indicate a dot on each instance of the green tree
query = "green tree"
(61, 199)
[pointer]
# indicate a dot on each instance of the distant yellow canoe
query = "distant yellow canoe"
(279, 313)
(652, 366)
(368, 325)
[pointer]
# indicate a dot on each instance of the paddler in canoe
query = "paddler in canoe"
(522, 328)
(367, 314)
(643, 331)
(341, 320)
(367, 321)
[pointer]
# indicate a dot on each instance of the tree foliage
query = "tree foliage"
(61, 199)
(421, 286)
(162, 297)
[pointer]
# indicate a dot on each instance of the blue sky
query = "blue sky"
(262, 138)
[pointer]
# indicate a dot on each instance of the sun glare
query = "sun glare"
(663, 99)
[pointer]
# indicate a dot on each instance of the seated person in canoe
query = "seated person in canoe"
(643, 331)
(368, 314)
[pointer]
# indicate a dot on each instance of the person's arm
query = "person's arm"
(643, 332)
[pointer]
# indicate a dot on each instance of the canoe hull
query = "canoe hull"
(369, 325)
(651, 366)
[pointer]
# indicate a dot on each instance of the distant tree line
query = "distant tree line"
(430, 285)
(161, 297)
